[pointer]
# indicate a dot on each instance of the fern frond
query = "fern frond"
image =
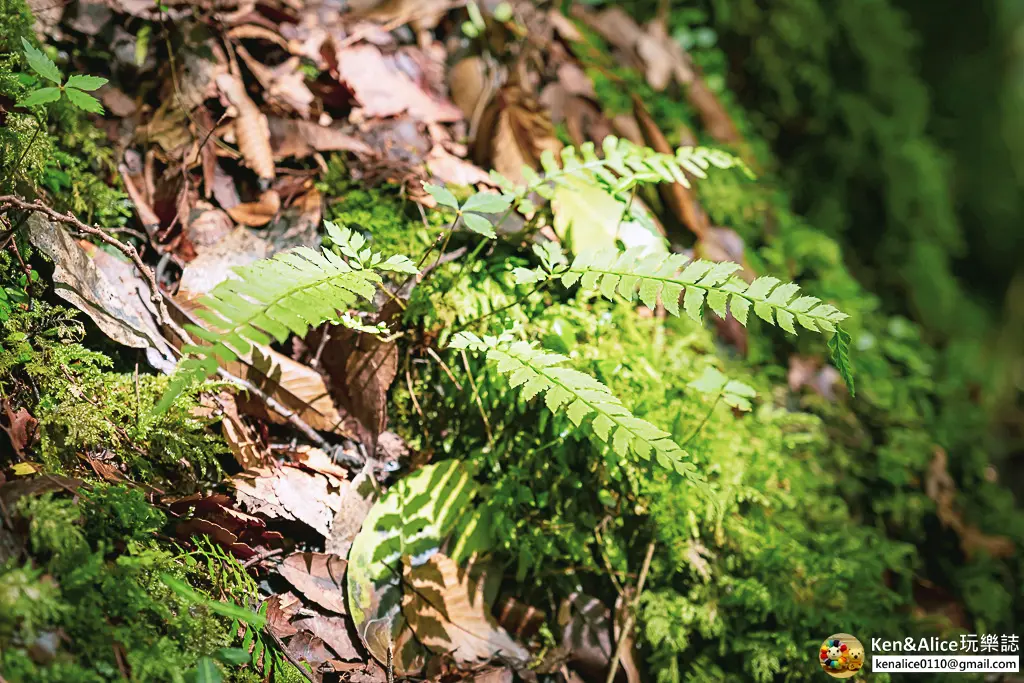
(622, 166)
(271, 299)
(659, 278)
(581, 397)
(839, 350)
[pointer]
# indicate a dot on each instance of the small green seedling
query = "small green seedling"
(76, 88)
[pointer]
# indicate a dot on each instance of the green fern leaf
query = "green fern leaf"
(272, 299)
(736, 394)
(839, 350)
(658, 278)
(621, 166)
(580, 396)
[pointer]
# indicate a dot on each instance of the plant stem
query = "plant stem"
(627, 625)
(704, 421)
(14, 169)
(537, 288)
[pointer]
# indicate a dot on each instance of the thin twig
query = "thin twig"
(262, 556)
(476, 397)
(9, 201)
(537, 288)
(627, 625)
(289, 656)
(433, 354)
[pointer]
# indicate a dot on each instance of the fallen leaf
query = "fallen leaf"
(383, 90)
(307, 497)
(251, 128)
(291, 138)
(446, 608)
(319, 577)
(334, 631)
(514, 132)
(453, 170)
(357, 498)
(361, 368)
(284, 84)
(208, 225)
(105, 288)
(21, 428)
(240, 247)
(280, 610)
(305, 647)
(587, 635)
(240, 437)
(258, 213)
(681, 200)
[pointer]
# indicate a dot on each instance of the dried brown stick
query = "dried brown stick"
(8, 202)
(627, 625)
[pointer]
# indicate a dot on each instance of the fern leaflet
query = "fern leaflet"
(581, 396)
(656, 277)
(271, 299)
(622, 166)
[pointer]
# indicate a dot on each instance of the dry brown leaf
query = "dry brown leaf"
(20, 428)
(240, 247)
(258, 213)
(305, 647)
(514, 132)
(307, 497)
(251, 128)
(116, 101)
(240, 437)
(224, 190)
(167, 128)
(681, 200)
(254, 490)
(382, 89)
(357, 497)
(361, 368)
(207, 226)
(280, 609)
(106, 288)
(452, 170)
(283, 85)
(291, 138)
(588, 636)
(446, 609)
(334, 631)
(941, 488)
(319, 577)
(316, 460)
(257, 32)
(296, 386)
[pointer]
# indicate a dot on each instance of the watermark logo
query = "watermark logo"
(841, 655)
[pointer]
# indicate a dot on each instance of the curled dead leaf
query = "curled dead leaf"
(258, 213)
(251, 128)
(514, 131)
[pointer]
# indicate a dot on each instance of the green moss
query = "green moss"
(85, 409)
(392, 222)
(101, 605)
